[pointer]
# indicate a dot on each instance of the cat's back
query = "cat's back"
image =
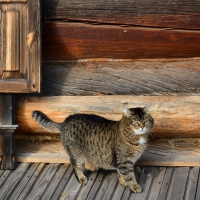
(91, 118)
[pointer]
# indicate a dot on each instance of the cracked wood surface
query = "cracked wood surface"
(121, 78)
(175, 116)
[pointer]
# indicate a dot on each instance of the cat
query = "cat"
(94, 142)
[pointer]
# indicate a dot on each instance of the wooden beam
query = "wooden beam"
(168, 152)
(161, 77)
(72, 41)
(182, 14)
(7, 139)
(175, 116)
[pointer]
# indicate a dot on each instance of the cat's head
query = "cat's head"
(138, 120)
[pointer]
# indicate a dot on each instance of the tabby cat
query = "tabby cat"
(94, 142)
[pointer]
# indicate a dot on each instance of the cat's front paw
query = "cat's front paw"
(82, 180)
(136, 188)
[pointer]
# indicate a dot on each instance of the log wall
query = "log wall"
(147, 52)
(120, 30)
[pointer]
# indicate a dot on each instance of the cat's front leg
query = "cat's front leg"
(127, 176)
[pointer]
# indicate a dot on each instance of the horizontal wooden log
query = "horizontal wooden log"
(162, 77)
(176, 14)
(13, 1)
(167, 152)
(175, 116)
(72, 41)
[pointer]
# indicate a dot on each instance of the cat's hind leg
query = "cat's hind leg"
(78, 163)
(91, 167)
(79, 173)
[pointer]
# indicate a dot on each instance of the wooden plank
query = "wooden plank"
(73, 41)
(95, 186)
(13, 180)
(24, 181)
(107, 188)
(27, 157)
(62, 183)
(54, 182)
(197, 196)
(31, 182)
(13, 85)
(1, 172)
(191, 187)
(156, 184)
(178, 183)
(164, 77)
(4, 176)
(13, 1)
(34, 45)
(165, 184)
(182, 14)
(146, 178)
(7, 139)
(126, 193)
(42, 182)
(84, 191)
(71, 188)
(158, 153)
(174, 115)
(118, 192)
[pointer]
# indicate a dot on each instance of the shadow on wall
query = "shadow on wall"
(54, 74)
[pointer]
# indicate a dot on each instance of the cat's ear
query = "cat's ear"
(147, 108)
(126, 111)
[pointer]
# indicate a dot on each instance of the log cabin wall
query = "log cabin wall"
(101, 55)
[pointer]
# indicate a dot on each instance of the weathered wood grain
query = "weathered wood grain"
(29, 186)
(95, 187)
(178, 183)
(12, 41)
(72, 41)
(84, 191)
(62, 183)
(148, 175)
(20, 52)
(13, 1)
(21, 184)
(176, 14)
(162, 77)
(42, 182)
(13, 85)
(166, 183)
(34, 45)
(197, 196)
(167, 152)
(52, 186)
(71, 189)
(192, 182)
(156, 184)
(12, 181)
(107, 188)
(175, 116)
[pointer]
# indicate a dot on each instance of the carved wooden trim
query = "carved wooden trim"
(20, 46)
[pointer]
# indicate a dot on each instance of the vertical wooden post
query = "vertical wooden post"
(7, 138)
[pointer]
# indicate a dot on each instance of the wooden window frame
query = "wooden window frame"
(27, 77)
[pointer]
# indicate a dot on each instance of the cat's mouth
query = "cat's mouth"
(141, 131)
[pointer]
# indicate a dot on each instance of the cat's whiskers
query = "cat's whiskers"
(151, 133)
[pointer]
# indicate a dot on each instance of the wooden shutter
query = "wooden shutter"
(20, 46)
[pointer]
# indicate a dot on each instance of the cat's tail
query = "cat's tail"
(45, 122)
